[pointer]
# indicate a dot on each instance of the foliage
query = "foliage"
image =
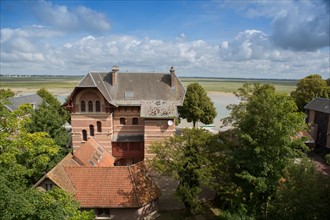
(53, 101)
(304, 194)
(266, 124)
(184, 157)
(24, 158)
(4, 95)
(19, 202)
(309, 88)
(47, 119)
(197, 106)
(327, 159)
(25, 155)
(50, 117)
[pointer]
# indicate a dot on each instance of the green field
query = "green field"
(69, 82)
(231, 85)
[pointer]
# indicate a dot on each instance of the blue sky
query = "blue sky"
(254, 39)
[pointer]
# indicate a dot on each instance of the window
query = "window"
(91, 130)
(91, 163)
(99, 126)
(49, 186)
(102, 212)
(122, 121)
(97, 106)
(82, 106)
(90, 106)
(135, 121)
(84, 134)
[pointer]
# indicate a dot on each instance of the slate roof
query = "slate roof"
(319, 104)
(139, 89)
(102, 185)
(15, 102)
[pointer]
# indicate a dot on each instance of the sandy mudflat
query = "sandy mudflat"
(57, 92)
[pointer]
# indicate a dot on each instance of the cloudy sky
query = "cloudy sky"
(255, 39)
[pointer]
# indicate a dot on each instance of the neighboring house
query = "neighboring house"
(318, 117)
(14, 102)
(113, 192)
(125, 112)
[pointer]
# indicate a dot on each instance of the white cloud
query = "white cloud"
(66, 19)
(296, 25)
(250, 54)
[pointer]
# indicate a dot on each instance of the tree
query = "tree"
(304, 194)
(184, 157)
(309, 88)
(197, 106)
(19, 202)
(266, 123)
(24, 155)
(47, 119)
(53, 101)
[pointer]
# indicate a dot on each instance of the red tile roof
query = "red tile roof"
(114, 187)
(91, 153)
(102, 185)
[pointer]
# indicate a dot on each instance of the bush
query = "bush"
(327, 159)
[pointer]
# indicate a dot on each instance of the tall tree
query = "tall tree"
(50, 117)
(266, 123)
(184, 157)
(197, 106)
(309, 88)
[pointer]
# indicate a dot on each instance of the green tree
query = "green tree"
(47, 119)
(197, 106)
(24, 155)
(309, 88)
(184, 157)
(19, 202)
(53, 101)
(266, 123)
(304, 194)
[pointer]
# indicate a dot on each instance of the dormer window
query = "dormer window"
(90, 106)
(82, 106)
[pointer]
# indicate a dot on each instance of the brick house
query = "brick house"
(318, 117)
(125, 112)
(113, 192)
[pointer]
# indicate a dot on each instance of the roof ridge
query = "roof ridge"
(134, 185)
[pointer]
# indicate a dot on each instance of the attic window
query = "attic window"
(129, 94)
(91, 163)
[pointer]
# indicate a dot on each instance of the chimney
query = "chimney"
(115, 70)
(172, 71)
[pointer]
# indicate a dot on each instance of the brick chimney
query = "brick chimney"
(115, 70)
(172, 71)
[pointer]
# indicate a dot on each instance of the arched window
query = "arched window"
(90, 106)
(97, 106)
(99, 126)
(122, 121)
(135, 121)
(82, 106)
(91, 130)
(84, 135)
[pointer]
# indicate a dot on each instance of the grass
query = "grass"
(231, 85)
(210, 84)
